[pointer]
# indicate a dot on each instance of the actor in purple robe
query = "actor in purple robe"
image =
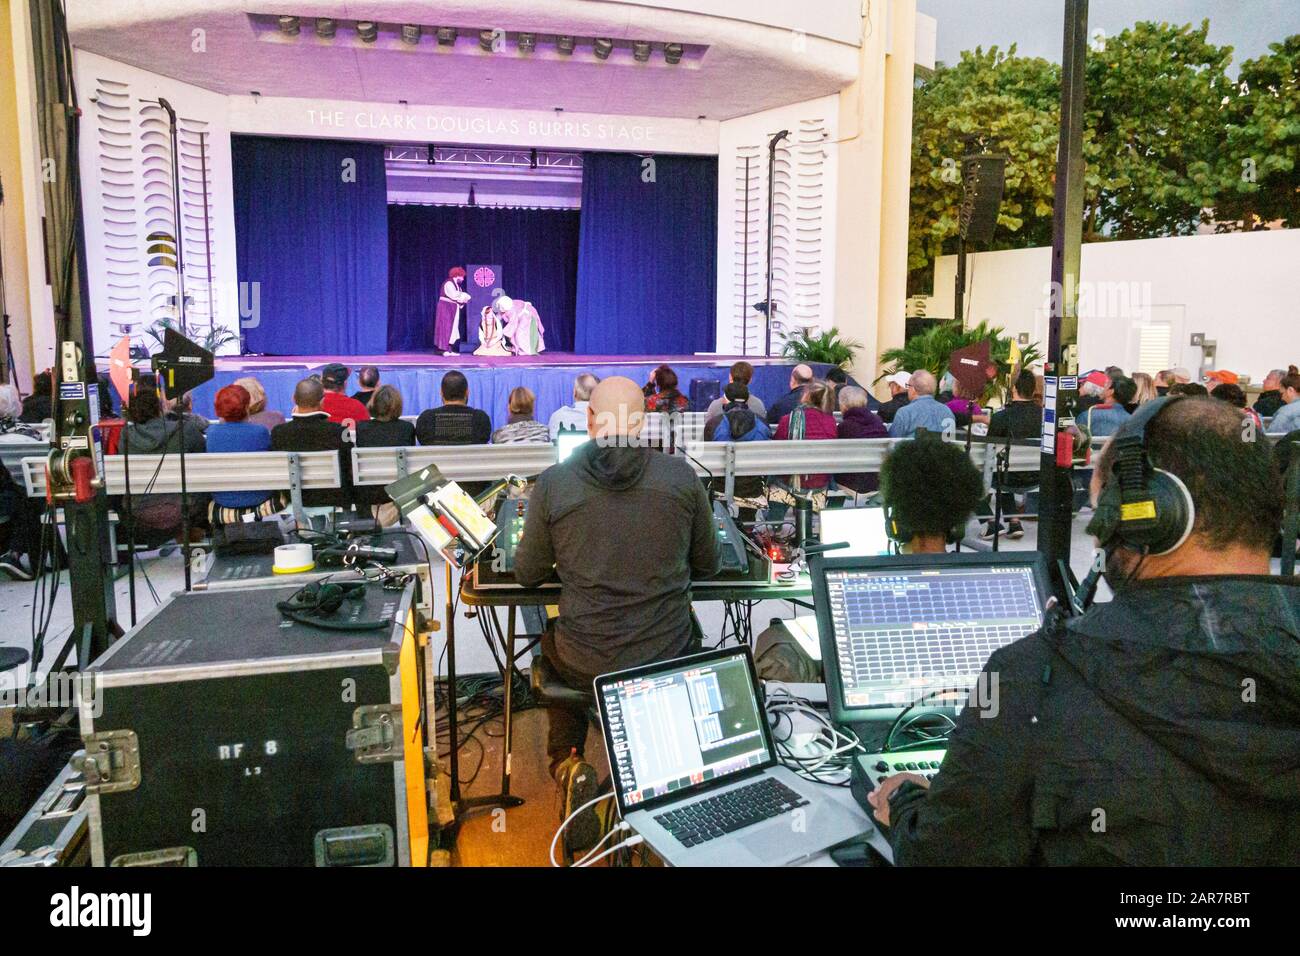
(446, 322)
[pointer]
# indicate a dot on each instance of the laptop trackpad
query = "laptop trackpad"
(797, 833)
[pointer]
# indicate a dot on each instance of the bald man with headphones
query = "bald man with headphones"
(1160, 728)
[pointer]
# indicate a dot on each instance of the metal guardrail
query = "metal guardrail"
(207, 472)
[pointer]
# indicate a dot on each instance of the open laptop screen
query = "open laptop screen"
(678, 725)
(567, 442)
(862, 529)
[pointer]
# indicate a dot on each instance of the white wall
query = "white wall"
(1241, 289)
(127, 191)
(803, 247)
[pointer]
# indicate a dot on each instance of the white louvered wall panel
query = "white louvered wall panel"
(803, 225)
(127, 180)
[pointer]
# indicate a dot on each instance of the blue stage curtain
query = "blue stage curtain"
(647, 261)
(315, 239)
(537, 250)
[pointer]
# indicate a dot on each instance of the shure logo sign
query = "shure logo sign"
(77, 909)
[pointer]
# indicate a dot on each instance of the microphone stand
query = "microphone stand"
(1000, 471)
(771, 228)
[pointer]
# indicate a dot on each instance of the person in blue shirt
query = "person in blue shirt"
(1287, 418)
(922, 410)
(1105, 419)
(233, 434)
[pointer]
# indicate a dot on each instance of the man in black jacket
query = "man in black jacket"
(800, 376)
(1020, 420)
(310, 429)
(626, 527)
(1160, 728)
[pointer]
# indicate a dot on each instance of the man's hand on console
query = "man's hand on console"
(879, 798)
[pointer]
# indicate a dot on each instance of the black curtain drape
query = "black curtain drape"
(536, 248)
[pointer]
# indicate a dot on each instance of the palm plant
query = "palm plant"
(932, 349)
(213, 338)
(813, 345)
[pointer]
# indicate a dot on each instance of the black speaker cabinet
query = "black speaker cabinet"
(219, 733)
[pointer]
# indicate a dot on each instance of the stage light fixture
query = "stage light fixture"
(485, 40)
(411, 33)
(564, 44)
(367, 30)
(603, 46)
(532, 158)
(289, 26)
(447, 36)
(641, 51)
(527, 42)
(325, 27)
(673, 53)
(431, 154)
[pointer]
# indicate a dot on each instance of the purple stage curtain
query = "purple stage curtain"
(647, 262)
(537, 250)
(314, 237)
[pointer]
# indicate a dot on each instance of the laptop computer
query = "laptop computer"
(862, 529)
(895, 629)
(695, 771)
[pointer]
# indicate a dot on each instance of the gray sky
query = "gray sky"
(1037, 26)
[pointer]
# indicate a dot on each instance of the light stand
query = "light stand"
(771, 229)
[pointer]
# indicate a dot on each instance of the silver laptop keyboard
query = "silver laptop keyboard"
(727, 812)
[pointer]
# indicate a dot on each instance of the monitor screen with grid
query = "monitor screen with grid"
(900, 634)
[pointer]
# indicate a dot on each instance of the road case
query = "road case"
(53, 833)
(221, 732)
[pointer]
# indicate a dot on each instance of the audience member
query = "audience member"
(662, 394)
(1288, 417)
(368, 379)
(19, 515)
(1270, 398)
(812, 420)
(738, 420)
(857, 420)
(39, 405)
(340, 408)
(1146, 683)
(965, 406)
(574, 417)
(310, 429)
(742, 373)
(234, 433)
(1105, 418)
(157, 518)
(1092, 390)
(898, 396)
(1146, 390)
(258, 413)
(521, 426)
(1235, 395)
(454, 422)
(626, 527)
(800, 376)
(1020, 420)
(384, 429)
(930, 489)
(922, 410)
(1187, 390)
(183, 408)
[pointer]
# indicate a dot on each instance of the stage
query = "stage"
(550, 376)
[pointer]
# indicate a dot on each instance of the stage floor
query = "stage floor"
(417, 376)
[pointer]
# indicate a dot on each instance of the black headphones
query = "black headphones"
(315, 603)
(901, 533)
(1141, 507)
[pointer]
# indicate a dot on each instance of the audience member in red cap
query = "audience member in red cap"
(232, 434)
(336, 404)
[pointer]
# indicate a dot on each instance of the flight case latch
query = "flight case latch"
(373, 737)
(111, 763)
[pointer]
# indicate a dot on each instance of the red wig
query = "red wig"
(231, 403)
(455, 272)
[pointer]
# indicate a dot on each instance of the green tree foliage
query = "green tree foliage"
(1260, 159)
(1166, 134)
(932, 349)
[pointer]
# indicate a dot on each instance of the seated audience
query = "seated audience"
(39, 405)
(384, 429)
(737, 421)
(368, 379)
(898, 396)
(157, 518)
(922, 410)
(1270, 397)
(1187, 390)
(1105, 417)
(574, 417)
(1131, 735)
(521, 426)
(454, 422)
(1020, 420)
(930, 489)
(258, 413)
(19, 515)
(1235, 395)
(1146, 390)
(627, 528)
(235, 433)
(965, 406)
(1288, 417)
(310, 429)
(800, 376)
(337, 405)
(183, 408)
(812, 420)
(742, 373)
(662, 394)
(857, 420)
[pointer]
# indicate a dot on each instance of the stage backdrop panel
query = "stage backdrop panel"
(311, 229)
(647, 260)
(536, 248)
